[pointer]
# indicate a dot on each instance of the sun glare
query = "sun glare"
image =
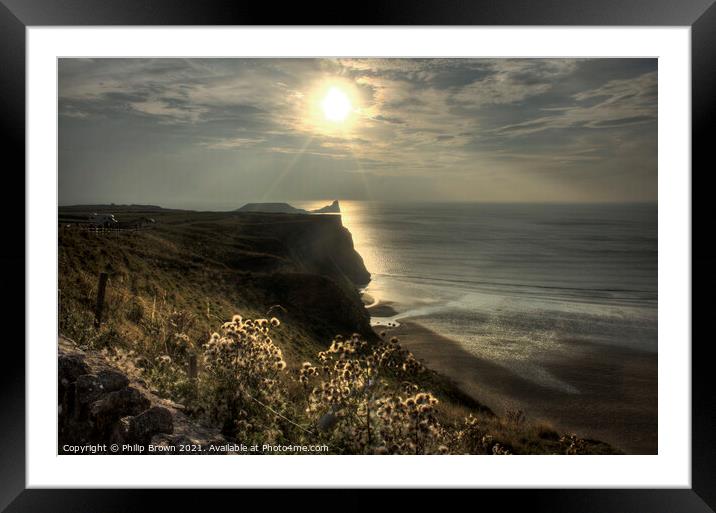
(336, 105)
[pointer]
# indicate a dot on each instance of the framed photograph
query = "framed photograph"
(446, 246)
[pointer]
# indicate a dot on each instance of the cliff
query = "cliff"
(315, 272)
(324, 246)
(215, 264)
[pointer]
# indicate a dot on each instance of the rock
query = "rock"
(333, 208)
(119, 433)
(155, 420)
(112, 380)
(170, 440)
(88, 388)
(98, 403)
(70, 367)
(128, 401)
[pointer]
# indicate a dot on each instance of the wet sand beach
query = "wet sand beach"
(616, 392)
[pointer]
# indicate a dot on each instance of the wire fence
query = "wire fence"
(106, 230)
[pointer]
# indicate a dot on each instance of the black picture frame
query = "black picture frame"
(17, 15)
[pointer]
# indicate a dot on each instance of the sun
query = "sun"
(336, 105)
(333, 107)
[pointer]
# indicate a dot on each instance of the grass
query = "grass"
(174, 285)
(207, 265)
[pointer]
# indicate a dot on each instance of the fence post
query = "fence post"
(101, 287)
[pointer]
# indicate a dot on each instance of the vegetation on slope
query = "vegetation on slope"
(264, 381)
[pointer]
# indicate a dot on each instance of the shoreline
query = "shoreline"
(617, 387)
(381, 312)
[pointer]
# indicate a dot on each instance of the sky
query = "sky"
(217, 133)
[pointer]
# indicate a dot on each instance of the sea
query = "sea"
(508, 281)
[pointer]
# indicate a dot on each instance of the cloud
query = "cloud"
(388, 119)
(232, 144)
(618, 103)
(512, 81)
(447, 120)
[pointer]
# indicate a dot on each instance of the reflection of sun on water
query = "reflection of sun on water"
(350, 217)
(356, 218)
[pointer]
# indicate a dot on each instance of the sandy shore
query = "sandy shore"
(382, 309)
(616, 402)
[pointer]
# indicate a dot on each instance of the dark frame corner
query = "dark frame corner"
(17, 15)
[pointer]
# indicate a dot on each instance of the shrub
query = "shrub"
(166, 331)
(472, 438)
(514, 417)
(359, 397)
(350, 400)
(241, 386)
(572, 444)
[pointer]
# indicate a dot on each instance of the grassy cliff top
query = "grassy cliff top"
(175, 282)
